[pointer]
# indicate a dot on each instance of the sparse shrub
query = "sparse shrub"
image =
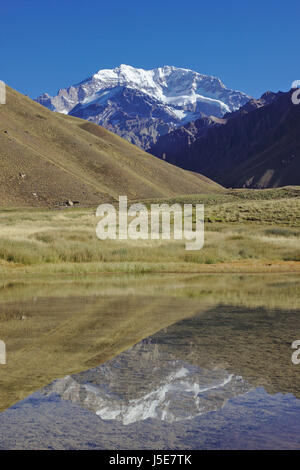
(281, 232)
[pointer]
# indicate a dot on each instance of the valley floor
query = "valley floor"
(58, 318)
(245, 231)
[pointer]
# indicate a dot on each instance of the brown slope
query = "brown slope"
(47, 158)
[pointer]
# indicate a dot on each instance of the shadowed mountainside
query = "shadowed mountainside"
(257, 146)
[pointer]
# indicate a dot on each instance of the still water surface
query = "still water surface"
(221, 378)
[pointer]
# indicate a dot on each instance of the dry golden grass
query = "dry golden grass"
(240, 235)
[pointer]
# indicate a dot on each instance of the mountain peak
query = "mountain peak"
(156, 101)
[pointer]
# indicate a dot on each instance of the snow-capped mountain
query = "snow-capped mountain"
(141, 105)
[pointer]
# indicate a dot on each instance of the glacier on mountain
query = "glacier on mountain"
(140, 105)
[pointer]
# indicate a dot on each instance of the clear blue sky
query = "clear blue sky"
(48, 44)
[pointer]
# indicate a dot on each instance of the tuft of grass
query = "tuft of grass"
(282, 232)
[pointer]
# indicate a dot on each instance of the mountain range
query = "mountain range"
(142, 105)
(256, 146)
(186, 119)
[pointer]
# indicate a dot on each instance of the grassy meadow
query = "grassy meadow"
(245, 230)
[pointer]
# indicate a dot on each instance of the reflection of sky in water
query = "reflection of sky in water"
(253, 420)
(149, 398)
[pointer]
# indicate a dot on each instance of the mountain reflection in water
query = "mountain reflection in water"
(143, 383)
(206, 382)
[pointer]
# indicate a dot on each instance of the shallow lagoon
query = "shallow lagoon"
(162, 362)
